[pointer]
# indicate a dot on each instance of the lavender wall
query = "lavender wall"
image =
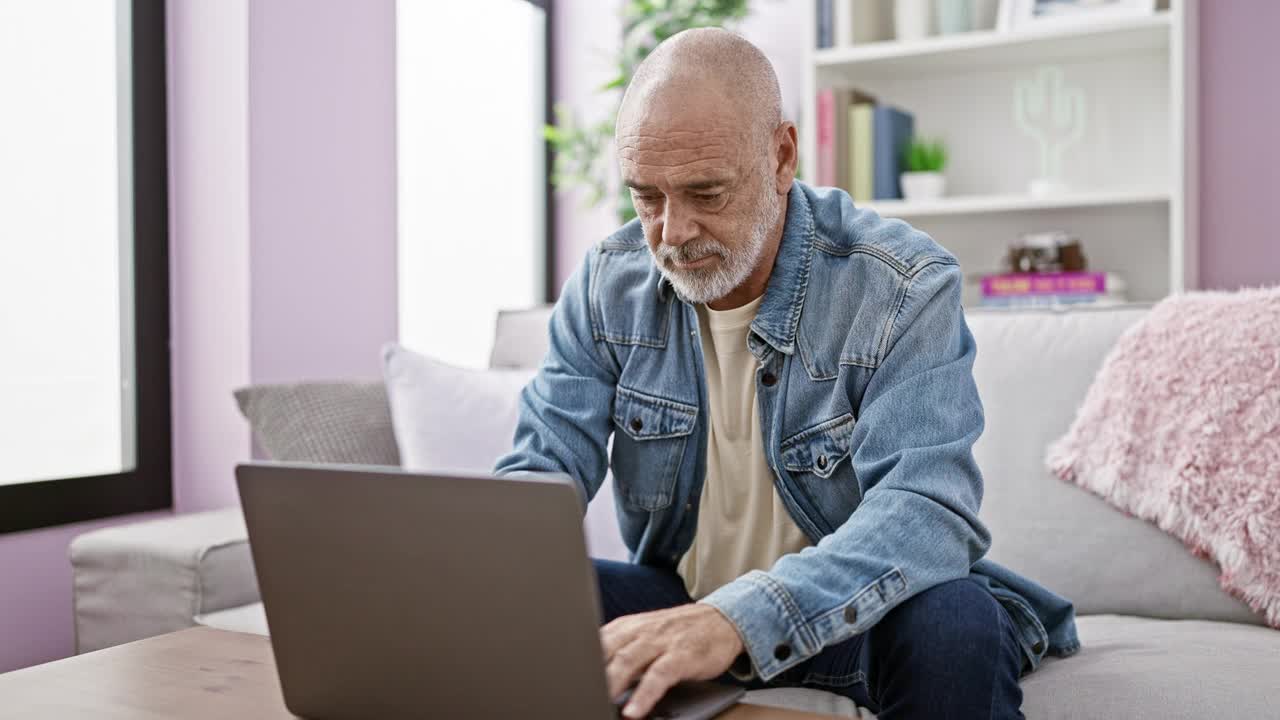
(322, 181)
(1239, 152)
(209, 249)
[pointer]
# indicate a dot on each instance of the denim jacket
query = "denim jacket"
(867, 401)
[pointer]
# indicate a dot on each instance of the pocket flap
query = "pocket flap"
(646, 417)
(819, 449)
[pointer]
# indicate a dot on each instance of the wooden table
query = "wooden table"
(198, 673)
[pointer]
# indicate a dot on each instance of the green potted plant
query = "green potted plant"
(924, 162)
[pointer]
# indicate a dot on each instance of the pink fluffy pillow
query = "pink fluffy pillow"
(1182, 427)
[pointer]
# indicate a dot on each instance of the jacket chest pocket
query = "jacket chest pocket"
(648, 446)
(817, 458)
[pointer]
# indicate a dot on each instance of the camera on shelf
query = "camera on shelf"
(1046, 252)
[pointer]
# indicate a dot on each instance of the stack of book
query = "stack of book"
(1051, 289)
(860, 144)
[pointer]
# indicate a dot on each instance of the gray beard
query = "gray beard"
(704, 286)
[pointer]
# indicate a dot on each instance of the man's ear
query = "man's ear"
(785, 150)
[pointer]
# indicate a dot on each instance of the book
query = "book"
(826, 19)
(1056, 284)
(844, 99)
(842, 20)
(860, 152)
(825, 122)
(891, 129)
(1034, 301)
(1020, 290)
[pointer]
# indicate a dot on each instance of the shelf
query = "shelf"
(973, 204)
(963, 52)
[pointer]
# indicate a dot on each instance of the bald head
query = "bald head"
(702, 144)
(711, 67)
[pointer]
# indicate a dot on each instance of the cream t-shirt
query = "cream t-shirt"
(742, 523)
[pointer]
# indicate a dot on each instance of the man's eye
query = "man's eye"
(648, 199)
(707, 197)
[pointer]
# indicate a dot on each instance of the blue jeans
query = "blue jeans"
(947, 653)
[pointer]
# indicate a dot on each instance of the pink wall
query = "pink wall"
(322, 211)
(282, 191)
(209, 216)
(1239, 148)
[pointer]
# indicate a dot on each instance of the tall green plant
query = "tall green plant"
(582, 157)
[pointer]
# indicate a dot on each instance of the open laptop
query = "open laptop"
(391, 594)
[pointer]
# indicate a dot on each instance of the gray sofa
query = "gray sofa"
(1161, 640)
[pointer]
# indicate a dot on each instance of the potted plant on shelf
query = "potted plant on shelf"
(924, 162)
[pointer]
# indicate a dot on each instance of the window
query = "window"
(84, 376)
(474, 220)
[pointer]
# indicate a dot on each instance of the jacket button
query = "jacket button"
(1038, 647)
(851, 614)
(782, 652)
(637, 424)
(769, 379)
(822, 462)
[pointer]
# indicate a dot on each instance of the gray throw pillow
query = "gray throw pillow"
(323, 421)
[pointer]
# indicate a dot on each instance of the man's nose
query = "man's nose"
(678, 225)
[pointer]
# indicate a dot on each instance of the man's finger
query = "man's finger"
(662, 674)
(617, 635)
(627, 664)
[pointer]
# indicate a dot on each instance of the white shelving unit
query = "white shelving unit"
(1131, 179)
(972, 204)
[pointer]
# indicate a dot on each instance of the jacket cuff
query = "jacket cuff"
(768, 620)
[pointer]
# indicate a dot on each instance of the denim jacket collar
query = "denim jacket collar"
(779, 312)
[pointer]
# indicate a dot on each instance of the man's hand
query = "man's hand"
(661, 648)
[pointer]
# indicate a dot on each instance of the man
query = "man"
(787, 381)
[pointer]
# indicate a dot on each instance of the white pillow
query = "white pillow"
(451, 418)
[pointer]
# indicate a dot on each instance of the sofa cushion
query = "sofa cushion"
(251, 618)
(1181, 427)
(451, 418)
(1144, 669)
(520, 338)
(323, 422)
(447, 417)
(1033, 369)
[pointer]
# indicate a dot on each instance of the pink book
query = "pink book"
(826, 124)
(1030, 284)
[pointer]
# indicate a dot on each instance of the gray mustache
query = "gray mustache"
(692, 250)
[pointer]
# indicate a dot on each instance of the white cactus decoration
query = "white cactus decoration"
(1054, 115)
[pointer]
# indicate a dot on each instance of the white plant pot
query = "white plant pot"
(923, 185)
(911, 19)
(1046, 187)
